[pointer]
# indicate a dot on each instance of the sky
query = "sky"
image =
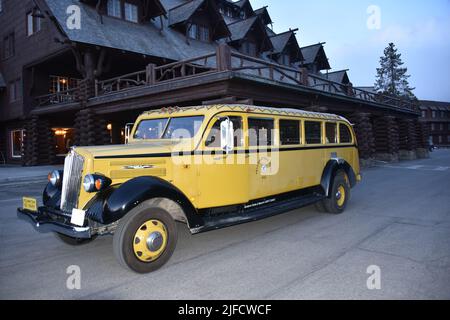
(355, 38)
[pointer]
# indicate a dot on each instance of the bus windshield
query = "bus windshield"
(168, 128)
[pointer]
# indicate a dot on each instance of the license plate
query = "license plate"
(30, 204)
(78, 217)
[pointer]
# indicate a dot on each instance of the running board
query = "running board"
(257, 211)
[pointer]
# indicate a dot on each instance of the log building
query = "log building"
(76, 72)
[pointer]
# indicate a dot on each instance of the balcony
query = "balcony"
(223, 60)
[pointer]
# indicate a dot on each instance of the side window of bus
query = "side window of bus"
(289, 132)
(214, 137)
(331, 132)
(261, 132)
(345, 134)
(313, 132)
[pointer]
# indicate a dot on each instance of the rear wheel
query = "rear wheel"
(339, 194)
(145, 238)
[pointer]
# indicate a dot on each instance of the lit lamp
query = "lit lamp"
(109, 126)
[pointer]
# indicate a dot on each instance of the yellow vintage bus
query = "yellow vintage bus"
(208, 167)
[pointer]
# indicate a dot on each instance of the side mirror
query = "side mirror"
(128, 129)
(227, 136)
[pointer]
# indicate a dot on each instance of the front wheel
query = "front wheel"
(340, 194)
(145, 238)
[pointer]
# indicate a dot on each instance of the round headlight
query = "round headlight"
(55, 178)
(89, 183)
(95, 182)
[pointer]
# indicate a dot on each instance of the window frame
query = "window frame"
(35, 23)
(9, 42)
(124, 14)
(300, 131)
(12, 143)
(321, 132)
(217, 118)
(337, 136)
(15, 85)
(273, 133)
(350, 131)
(121, 9)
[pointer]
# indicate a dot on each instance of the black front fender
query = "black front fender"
(330, 171)
(114, 203)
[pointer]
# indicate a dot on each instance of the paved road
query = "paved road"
(398, 220)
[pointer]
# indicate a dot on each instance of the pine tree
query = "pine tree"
(392, 78)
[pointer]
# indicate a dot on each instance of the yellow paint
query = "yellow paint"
(30, 204)
(140, 247)
(221, 180)
(341, 196)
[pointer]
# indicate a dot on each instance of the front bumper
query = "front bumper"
(46, 221)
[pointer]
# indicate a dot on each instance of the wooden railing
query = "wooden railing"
(61, 97)
(154, 74)
(224, 59)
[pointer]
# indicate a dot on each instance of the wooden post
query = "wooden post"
(304, 76)
(364, 134)
(386, 138)
(151, 74)
(223, 57)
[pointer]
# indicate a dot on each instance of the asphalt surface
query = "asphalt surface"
(398, 220)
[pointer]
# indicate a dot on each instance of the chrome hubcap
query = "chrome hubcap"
(154, 241)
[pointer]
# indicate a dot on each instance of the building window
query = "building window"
(289, 132)
(313, 132)
(15, 90)
(261, 132)
(243, 15)
(193, 31)
(424, 114)
(229, 12)
(1, 6)
(440, 139)
(441, 127)
(8, 46)
(16, 143)
(249, 48)
(285, 59)
(433, 114)
(204, 33)
(114, 8)
(199, 32)
(33, 22)
(131, 12)
(433, 127)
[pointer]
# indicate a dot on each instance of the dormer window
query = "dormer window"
(131, 12)
(249, 48)
(199, 32)
(285, 59)
(123, 10)
(229, 12)
(242, 15)
(114, 8)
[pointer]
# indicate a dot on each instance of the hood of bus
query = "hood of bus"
(121, 163)
(127, 150)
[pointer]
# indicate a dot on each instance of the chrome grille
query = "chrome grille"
(73, 169)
